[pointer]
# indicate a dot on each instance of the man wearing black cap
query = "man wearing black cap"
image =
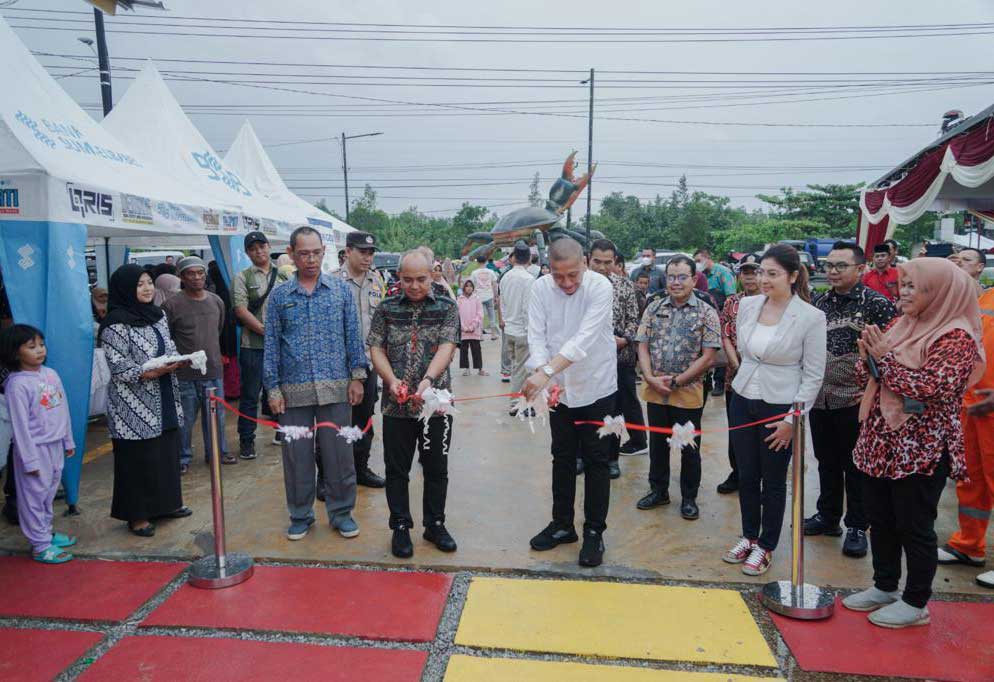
(368, 290)
(250, 290)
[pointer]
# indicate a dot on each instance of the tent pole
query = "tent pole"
(104, 61)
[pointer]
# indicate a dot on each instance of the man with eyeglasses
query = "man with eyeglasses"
(677, 341)
(849, 306)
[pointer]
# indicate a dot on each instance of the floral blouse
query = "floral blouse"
(919, 444)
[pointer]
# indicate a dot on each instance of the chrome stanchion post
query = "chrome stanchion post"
(795, 598)
(220, 569)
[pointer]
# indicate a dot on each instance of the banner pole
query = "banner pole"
(221, 569)
(795, 598)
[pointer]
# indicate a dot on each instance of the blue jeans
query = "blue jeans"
(193, 397)
(250, 364)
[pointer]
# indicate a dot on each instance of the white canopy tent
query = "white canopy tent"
(249, 159)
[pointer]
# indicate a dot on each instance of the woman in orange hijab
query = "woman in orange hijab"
(911, 438)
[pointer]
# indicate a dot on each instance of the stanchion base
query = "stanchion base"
(204, 572)
(807, 602)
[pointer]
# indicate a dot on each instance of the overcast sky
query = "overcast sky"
(432, 146)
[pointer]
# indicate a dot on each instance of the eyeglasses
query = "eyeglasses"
(838, 267)
(309, 255)
(677, 278)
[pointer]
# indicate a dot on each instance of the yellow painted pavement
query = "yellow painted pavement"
(613, 620)
(474, 669)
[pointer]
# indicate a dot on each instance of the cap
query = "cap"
(188, 262)
(360, 240)
(255, 237)
(750, 260)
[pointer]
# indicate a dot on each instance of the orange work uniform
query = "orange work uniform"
(976, 496)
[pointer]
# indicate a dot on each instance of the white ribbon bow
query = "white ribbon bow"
(613, 426)
(683, 435)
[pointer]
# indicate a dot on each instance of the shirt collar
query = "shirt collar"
(431, 295)
(322, 281)
(853, 294)
(692, 301)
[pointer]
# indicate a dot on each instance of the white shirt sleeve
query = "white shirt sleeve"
(598, 313)
(538, 353)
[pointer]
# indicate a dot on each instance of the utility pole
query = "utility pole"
(590, 152)
(345, 166)
(104, 61)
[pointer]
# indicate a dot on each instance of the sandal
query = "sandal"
(62, 540)
(52, 555)
(143, 532)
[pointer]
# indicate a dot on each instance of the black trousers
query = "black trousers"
(466, 347)
(902, 518)
(628, 404)
(731, 444)
(659, 450)
(834, 434)
(762, 472)
(568, 439)
(400, 440)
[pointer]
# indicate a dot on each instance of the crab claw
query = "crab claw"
(579, 186)
(569, 167)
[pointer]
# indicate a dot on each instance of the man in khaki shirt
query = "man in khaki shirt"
(367, 290)
(250, 291)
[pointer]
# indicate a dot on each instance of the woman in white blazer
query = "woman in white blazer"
(781, 340)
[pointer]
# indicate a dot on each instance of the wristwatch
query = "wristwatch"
(548, 371)
(429, 378)
(674, 383)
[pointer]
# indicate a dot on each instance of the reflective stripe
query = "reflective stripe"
(987, 311)
(983, 515)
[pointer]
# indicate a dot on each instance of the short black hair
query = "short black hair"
(983, 256)
(11, 340)
(302, 230)
(702, 252)
(680, 258)
(858, 255)
(881, 248)
(643, 275)
(604, 245)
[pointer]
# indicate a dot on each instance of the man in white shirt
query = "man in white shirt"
(571, 343)
(515, 289)
(485, 281)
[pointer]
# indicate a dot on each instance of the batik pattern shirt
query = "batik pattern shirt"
(921, 442)
(676, 337)
(313, 343)
(410, 333)
(846, 316)
(626, 319)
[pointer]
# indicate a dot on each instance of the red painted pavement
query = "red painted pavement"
(216, 660)
(40, 654)
(394, 605)
(80, 589)
(958, 645)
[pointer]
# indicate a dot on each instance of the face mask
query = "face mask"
(646, 260)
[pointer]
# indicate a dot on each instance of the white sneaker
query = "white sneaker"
(899, 615)
(758, 562)
(739, 552)
(986, 579)
(870, 600)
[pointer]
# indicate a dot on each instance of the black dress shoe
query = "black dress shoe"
(817, 525)
(437, 535)
(180, 513)
(401, 545)
(144, 532)
(729, 485)
(367, 478)
(592, 551)
(579, 466)
(613, 470)
(655, 498)
(689, 510)
(552, 536)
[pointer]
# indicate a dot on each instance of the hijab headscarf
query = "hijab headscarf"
(123, 306)
(167, 285)
(950, 302)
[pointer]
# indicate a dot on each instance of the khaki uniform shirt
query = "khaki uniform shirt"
(246, 288)
(367, 292)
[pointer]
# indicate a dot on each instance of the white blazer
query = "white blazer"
(793, 366)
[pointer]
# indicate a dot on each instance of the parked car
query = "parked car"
(808, 262)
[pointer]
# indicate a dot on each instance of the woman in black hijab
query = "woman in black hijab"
(143, 408)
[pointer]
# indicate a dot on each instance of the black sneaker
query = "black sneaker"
(855, 543)
(437, 535)
(629, 449)
(592, 551)
(817, 525)
(246, 450)
(655, 498)
(729, 485)
(613, 470)
(401, 545)
(553, 536)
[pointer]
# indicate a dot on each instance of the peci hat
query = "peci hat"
(360, 240)
(255, 237)
(188, 262)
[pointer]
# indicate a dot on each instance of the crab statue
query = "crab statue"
(533, 222)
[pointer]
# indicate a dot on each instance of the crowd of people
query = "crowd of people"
(888, 367)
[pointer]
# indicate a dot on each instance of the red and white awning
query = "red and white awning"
(966, 159)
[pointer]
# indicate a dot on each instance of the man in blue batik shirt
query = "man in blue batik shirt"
(314, 370)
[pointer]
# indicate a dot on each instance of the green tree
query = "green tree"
(833, 205)
(534, 195)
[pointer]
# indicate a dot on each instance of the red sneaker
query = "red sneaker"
(758, 562)
(740, 552)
